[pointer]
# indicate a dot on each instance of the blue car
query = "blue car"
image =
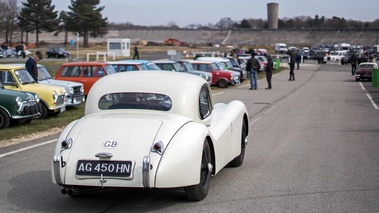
(148, 64)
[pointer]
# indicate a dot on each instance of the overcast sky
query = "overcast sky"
(183, 13)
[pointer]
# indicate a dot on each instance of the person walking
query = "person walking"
(353, 60)
(291, 63)
(31, 64)
(136, 53)
(253, 66)
(269, 68)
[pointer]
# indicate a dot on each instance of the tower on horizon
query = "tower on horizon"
(272, 15)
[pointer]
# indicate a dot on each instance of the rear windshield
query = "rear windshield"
(132, 100)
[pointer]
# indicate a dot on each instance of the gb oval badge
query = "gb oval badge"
(110, 144)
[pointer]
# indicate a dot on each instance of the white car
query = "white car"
(183, 66)
(74, 90)
(335, 56)
(150, 130)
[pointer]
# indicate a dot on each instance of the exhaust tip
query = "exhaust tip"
(70, 192)
(64, 191)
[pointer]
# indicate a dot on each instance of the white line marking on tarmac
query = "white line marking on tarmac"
(363, 87)
(26, 148)
(255, 121)
(218, 93)
(372, 101)
(269, 110)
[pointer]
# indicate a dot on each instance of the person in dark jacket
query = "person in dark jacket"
(353, 60)
(291, 63)
(136, 53)
(269, 68)
(253, 67)
(298, 59)
(31, 64)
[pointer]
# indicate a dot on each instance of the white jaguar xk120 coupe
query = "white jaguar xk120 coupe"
(150, 129)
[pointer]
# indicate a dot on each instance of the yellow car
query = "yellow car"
(52, 98)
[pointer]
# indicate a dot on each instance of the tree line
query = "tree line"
(36, 16)
(299, 22)
(84, 18)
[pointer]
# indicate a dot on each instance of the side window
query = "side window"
(6, 77)
(71, 71)
(87, 71)
(122, 68)
(205, 105)
(99, 71)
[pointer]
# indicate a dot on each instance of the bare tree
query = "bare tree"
(225, 23)
(9, 12)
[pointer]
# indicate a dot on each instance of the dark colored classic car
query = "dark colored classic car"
(318, 55)
(16, 106)
(364, 70)
(57, 52)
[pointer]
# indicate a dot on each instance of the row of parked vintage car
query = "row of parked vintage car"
(23, 99)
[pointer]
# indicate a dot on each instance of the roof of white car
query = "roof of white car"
(182, 88)
(217, 59)
(125, 62)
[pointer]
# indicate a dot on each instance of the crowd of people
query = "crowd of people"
(18, 51)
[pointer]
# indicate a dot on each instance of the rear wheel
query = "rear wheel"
(200, 191)
(4, 119)
(237, 161)
(222, 83)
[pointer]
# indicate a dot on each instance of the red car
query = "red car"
(86, 72)
(221, 78)
(364, 70)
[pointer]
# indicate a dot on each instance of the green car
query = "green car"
(16, 106)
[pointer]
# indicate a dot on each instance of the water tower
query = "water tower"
(272, 15)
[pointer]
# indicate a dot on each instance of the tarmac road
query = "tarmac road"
(313, 147)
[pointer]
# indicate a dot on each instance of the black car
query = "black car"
(318, 55)
(57, 52)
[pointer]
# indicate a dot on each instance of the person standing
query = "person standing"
(269, 68)
(31, 64)
(291, 63)
(136, 53)
(23, 49)
(253, 66)
(18, 49)
(353, 60)
(298, 59)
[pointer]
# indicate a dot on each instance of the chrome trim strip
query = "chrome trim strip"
(57, 173)
(145, 171)
(104, 155)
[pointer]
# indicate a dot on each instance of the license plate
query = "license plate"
(62, 109)
(78, 99)
(105, 168)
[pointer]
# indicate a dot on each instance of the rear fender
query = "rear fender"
(180, 163)
(57, 171)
